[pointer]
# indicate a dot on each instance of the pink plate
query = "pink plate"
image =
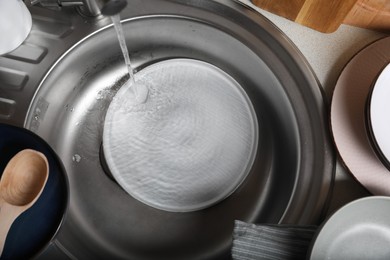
(349, 121)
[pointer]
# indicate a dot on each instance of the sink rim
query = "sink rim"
(287, 216)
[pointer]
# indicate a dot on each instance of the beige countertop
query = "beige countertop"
(328, 54)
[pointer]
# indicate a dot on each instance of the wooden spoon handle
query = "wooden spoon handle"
(321, 15)
(371, 14)
(327, 15)
(8, 214)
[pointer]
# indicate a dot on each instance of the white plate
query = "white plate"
(359, 230)
(379, 114)
(16, 23)
(192, 142)
(348, 117)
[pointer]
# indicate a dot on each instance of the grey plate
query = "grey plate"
(359, 230)
(291, 173)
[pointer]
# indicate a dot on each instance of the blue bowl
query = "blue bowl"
(35, 228)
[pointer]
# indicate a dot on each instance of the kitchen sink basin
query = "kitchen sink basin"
(67, 100)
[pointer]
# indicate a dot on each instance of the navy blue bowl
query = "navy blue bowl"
(34, 229)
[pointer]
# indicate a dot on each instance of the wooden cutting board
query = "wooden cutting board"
(327, 15)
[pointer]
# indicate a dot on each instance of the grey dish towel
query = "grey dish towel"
(276, 242)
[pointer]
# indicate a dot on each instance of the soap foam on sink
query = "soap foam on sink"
(189, 145)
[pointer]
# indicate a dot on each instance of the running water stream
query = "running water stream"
(140, 90)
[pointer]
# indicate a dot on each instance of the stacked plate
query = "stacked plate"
(378, 122)
(359, 116)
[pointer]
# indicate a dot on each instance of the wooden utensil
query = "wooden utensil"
(327, 15)
(21, 184)
(370, 14)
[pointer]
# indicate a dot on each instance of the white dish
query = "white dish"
(192, 142)
(378, 115)
(359, 230)
(348, 117)
(15, 24)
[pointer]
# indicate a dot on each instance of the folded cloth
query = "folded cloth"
(284, 242)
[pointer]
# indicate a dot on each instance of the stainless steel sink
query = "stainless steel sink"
(73, 69)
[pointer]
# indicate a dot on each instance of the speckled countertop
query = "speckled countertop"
(328, 54)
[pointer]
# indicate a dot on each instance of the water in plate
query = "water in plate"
(190, 145)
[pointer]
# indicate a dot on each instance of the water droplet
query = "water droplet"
(76, 158)
(100, 95)
(36, 117)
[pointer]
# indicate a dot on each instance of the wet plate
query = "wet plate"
(189, 145)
